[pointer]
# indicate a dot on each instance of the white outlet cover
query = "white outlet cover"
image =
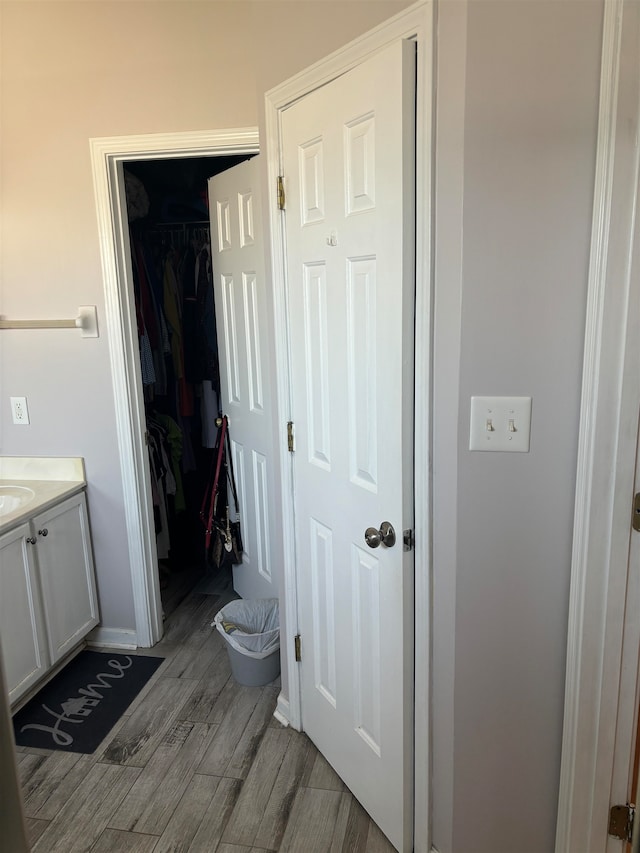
(500, 423)
(19, 410)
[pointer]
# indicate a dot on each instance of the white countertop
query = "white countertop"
(50, 479)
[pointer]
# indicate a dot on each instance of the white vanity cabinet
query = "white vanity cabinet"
(24, 639)
(65, 563)
(47, 591)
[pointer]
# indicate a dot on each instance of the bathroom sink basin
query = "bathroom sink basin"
(14, 497)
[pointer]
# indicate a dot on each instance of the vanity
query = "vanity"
(48, 600)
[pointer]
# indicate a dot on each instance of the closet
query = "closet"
(168, 213)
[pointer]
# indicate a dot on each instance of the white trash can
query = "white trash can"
(251, 630)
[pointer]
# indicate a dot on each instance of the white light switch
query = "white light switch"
(500, 423)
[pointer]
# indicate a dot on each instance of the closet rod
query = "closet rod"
(204, 223)
(86, 321)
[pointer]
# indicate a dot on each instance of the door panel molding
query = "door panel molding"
(606, 458)
(107, 157)
(415, 23)
(242, 299)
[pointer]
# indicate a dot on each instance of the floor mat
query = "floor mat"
(76, 710)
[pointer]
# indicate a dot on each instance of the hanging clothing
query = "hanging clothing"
(175, 313)
(210, 411)
(207, 341)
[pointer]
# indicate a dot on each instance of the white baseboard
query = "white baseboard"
(113, 638)
(282, 711)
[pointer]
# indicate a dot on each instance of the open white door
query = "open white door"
(625, 778)
(603, 649)
(246, 373)
(348, 154)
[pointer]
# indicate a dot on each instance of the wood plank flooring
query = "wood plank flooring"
(198, 764)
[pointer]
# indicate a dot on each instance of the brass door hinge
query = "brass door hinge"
(621, 822)
(636, 513)
(280, 192)
(290, 436)
(296, 645)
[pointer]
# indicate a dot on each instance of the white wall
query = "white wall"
(517, 104)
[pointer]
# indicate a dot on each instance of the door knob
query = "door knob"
(385, 536)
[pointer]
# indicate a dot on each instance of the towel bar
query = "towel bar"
(86, 321)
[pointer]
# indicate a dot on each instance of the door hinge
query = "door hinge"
(296, 645)
(408, 541)
(636, 513)
(290, 436)
(146, 437)
(280, 192)
(621, 822)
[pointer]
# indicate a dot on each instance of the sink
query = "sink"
(14, 497)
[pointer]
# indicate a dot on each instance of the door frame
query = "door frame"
(416, 23)
(597, 695)
(108, 154)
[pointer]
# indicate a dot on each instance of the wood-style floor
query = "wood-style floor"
(198, 764)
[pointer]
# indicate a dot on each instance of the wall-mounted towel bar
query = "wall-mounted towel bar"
(86, 321)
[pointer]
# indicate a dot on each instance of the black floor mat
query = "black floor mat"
(76, 710)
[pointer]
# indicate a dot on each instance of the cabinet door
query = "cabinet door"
(65, 561)
(24, 644)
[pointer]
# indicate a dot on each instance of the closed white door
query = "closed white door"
(348, 153)
(246, 373)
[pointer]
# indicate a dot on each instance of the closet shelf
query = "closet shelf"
(86, 321)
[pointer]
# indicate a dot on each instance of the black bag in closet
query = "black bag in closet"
(223, 539)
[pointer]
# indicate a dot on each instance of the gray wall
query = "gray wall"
(530, 120)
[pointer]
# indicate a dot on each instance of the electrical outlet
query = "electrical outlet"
(19, 410)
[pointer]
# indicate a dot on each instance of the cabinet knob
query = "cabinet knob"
(31, 540)
(43, 532)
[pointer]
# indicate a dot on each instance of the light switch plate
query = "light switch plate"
(500, 423)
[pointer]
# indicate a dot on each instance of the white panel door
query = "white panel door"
(245, 346)
(349, 156)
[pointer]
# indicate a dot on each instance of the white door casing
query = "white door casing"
(247, 373)
(349, 177)
(415, 24)
(108, 155)
(602, 657)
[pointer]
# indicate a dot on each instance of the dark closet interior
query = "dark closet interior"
(168, 212)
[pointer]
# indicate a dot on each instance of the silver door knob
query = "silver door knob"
(43, 532)
(385, 536)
